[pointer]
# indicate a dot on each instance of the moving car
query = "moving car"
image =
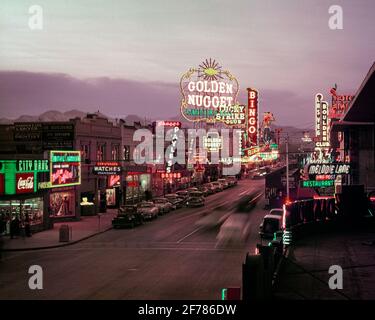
(127, 216)
(248, 201)
(271, 224)
(234, 230)
(164, 205)
(148, 210)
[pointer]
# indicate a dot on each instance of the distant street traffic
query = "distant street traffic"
(172, 257)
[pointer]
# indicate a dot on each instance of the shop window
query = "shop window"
(10, 209)
(62, 204)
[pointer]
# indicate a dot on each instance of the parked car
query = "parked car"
(224, 183)
(259, 175)
(270, 225)
(192, 189)
(177, 201)
(218, 186)
(148, 210)
(211, 188)
(182, 193)
(204, 190)
(164, 205)
(195, 200)
(127, 216)
(232, 180)
(276, 212)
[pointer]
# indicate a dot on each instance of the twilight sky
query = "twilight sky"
(126, 57)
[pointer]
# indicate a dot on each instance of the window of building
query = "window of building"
(85, 149)
(127, 153)
(100, 154)
(115, 152)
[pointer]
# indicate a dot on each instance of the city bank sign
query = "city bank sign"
(209, 94)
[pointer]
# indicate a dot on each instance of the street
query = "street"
(169, 258)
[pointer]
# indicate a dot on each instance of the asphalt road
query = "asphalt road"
(169, 258)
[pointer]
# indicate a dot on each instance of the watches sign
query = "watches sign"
(107, 168)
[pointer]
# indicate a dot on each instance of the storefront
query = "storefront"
(138, 184)
(109, 183)
(32, 208)
(20, 197)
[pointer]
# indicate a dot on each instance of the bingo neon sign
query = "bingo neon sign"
(252, 118)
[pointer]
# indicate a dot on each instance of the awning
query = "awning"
(340, 125)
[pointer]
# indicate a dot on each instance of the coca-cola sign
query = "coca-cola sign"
(24, 182)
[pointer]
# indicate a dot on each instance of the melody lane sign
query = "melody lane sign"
(330, 169)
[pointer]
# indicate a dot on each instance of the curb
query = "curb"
(56, 245)
(285, 256)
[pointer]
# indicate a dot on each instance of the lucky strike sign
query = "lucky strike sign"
(24, 183)
(208, 92)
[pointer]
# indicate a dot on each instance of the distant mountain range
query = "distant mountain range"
(295, 134)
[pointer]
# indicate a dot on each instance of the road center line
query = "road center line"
(188, 235)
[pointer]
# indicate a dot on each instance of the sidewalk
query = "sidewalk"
(305, 273)
(83, 229)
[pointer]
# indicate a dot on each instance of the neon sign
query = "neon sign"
(340, 103)
(212, 142)
(107, 168)
(65, 168)
(207, 91)
(252, 117)
(321, 123)
(329, 169)
(317, 184)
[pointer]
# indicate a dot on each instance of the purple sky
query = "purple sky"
(126, 57)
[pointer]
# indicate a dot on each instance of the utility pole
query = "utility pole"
(287, 166)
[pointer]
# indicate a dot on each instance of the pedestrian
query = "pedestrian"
(17, 226)
(12, 228)
(22, 228)
(27, 226)
(2, 224)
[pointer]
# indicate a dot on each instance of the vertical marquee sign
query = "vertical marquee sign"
(209, 94)
(321, 123)
(252, 117)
